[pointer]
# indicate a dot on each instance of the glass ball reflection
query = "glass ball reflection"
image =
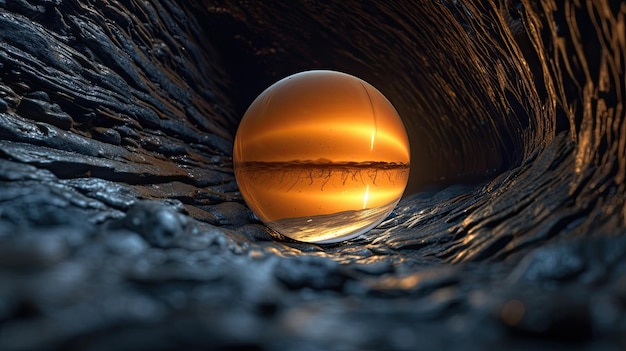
(321, 156)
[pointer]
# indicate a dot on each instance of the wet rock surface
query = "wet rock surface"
(121, 227)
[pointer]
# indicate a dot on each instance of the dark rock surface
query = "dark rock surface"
(121, 227)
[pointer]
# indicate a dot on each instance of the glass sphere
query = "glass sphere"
(321, 156)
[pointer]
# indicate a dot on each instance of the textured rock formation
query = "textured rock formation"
(121, 226)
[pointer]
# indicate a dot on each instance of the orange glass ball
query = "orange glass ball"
(321, 156)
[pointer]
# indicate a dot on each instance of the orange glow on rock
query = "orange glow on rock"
(321, 156)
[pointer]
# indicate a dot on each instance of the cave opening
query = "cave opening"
(460, 132)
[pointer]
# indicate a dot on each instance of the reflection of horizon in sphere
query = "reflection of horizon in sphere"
(318, 147)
